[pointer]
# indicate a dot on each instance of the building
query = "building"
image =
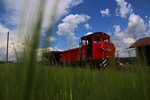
(142, 50)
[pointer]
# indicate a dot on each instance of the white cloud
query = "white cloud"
(129, 40)
(146, 17)
(105, 12)
(121, 49)
(149, 23)
(149, 27)
(50, 39)
(13, 44)
(15, 9)
(69, 24)
(87, 26)
(136, 25)
(28, 10)
(124, 8)
(118, 32)
(124, 38)
(3, 35)
(65, 5)
(12, 11)
(3, 29)
(19, 47)
(57, 8)
(40, 51)
(23, 13)
(3, 42)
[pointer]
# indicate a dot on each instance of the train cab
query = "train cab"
(97, 46)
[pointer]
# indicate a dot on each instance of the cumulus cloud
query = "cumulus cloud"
(87, 26)
(148, 27)
(149, 23)
(124, 9)
(50, 39)
(121, 47)
(124, 38)
(119, 42)
(105, 12)
(13, 44)
(118, 32)
(58, 8)
(129, 40)
(40, 51)
(69, 24)
(12, 12)
(3, 37)
(122, 41)
(136, 28)
(136, 25)
(65, 5)
(16, 10)
(3, 29)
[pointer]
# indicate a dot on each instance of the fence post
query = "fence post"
(7, 46)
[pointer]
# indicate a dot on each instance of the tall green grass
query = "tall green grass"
(29, 80)
(60, 83)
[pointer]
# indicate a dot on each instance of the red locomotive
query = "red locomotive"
(96, 48)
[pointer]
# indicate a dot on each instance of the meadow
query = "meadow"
(65, 83)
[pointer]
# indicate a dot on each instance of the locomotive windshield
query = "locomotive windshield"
(96, 39)
(105, 39)
(84, 42)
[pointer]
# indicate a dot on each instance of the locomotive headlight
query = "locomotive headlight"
(102, 48)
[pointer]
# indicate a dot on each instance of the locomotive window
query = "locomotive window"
(84, 42)
(96, 39)
(105, 39)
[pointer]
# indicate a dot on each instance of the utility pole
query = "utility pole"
(7, 46)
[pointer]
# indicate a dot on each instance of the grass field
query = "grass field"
(57, 83)
(28, 80)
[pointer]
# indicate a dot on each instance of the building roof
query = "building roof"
(141, 42)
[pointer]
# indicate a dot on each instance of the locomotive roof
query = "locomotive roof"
(94, 33)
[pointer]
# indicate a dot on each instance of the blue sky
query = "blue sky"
(124, 20)
(106, 23)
